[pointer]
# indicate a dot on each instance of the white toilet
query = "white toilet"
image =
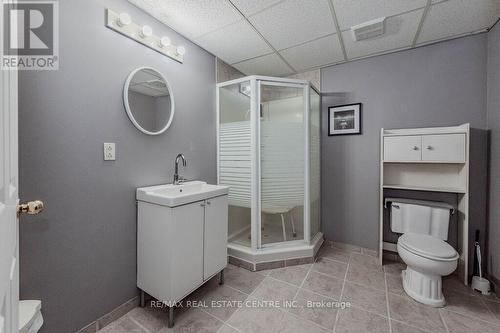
(30, 316)
(424, 225)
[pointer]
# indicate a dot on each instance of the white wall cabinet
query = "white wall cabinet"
(435, 148)
(180, 248)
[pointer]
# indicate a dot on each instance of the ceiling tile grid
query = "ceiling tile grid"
(399, 33)
(251, 7)
(457, 17)
(235, 43)
(293, 22)
(320, 52)
(270, 64)
(280, 37)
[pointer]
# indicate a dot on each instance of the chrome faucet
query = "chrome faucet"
(178, 180)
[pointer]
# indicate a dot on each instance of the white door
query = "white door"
(402, 148)
(9, 268)
(215, 238)
(444, 148)
(186, 248)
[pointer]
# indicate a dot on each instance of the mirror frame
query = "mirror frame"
(129, 111)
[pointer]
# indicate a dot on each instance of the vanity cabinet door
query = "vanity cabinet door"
(403, 148)
(215, 241)
(187, 248)
(443, 148)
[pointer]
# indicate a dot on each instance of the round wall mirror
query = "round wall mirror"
(148, 100)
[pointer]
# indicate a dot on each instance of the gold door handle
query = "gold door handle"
(31, 207)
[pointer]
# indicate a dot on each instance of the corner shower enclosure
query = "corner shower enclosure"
(268, 145)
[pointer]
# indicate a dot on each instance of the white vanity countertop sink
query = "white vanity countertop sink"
(175, 195)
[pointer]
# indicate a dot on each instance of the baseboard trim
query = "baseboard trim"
(113, 315)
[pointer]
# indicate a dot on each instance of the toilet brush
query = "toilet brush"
(478, 282)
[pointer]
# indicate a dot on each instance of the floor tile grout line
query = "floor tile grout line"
(410, 325)
(369, 311)
(334, 260)
(297, 293)
(321, 295)
(248, 295)
(471, 316)
(387, 303)
(303, 281)
(140, 325)
(221, 320)
(331, 276)
(443, 321)
(485, 303)
(307, 320)
(286, 282)
(341, 293)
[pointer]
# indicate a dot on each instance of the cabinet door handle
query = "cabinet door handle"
(415, 148)
(429, 148)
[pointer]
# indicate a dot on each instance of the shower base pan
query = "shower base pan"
(274, 255)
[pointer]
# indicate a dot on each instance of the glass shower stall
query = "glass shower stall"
(268, 153)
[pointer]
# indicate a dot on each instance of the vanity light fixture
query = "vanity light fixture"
(146, 31)
(143, 33)
(164, 41)
(181, 50)
(123, 20)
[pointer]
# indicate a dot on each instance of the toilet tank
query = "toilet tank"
(421, 217)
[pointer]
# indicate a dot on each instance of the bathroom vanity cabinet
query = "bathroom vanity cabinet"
(179, 248)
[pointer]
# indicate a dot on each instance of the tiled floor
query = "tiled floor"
(349, 274)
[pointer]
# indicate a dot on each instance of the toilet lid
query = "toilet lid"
(428, 246)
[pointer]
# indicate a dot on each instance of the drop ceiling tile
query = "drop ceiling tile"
(293, 22)
(456, 17)
(269, 64)
(319, 52)
(399, 33)
(250, 7)
(353, 12)
(235, 43)
(191, 18)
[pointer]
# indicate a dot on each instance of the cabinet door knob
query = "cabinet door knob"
(428, 147)
(415, 148)
(202, 204)
(208, 202)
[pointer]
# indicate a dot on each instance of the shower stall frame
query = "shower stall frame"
(261, 256)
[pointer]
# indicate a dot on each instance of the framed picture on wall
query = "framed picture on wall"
(344, 119)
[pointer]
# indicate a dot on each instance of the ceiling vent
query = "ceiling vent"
(367, 30)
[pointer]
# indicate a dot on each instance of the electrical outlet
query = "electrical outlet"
(109, 151)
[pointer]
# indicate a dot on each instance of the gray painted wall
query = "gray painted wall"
(494, 128)
(438, 85)
(79, 256)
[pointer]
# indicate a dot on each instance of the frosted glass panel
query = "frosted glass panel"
(235, 158)
(314, 162)
(282, 163)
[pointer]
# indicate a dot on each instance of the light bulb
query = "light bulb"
(181, 50)
(146, 31)
(164, 41)
(123, 20)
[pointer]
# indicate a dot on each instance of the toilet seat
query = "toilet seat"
(428, 247)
